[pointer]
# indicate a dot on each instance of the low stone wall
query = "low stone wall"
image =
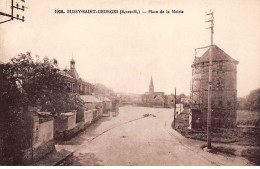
(88, 116)
(64, 122)
(43, 133)
(66, 127)
(32, 155)
(68, 134)
(72, 121)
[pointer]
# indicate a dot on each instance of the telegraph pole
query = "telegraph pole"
(211, 20)
(11, 16)
(174, 109)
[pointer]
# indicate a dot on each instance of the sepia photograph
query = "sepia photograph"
(129, 83)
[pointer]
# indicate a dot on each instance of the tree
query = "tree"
(28, 82)
(253, 100)
(36, 83)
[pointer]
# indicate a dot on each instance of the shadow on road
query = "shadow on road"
(88, 159)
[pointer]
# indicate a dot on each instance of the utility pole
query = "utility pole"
(211, 20)
(174, 109)
(11, 16)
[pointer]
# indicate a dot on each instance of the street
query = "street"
(132, 139)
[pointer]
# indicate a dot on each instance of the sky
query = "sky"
(124, 51)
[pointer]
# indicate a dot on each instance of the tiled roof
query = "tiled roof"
(218, 55)
(74, 73)
(90, 99)
(105, 99)
(65, 74)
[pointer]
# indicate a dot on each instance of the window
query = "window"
(220, 67)
(73, 87)
(69, 86)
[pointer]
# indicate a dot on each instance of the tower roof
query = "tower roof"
(151, 88)
(218, 55)
(73, 73)
(72, 60)
(151, 82)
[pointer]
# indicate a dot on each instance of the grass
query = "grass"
(220, 150)
(253, 155)
(245, 117)
(241, 136)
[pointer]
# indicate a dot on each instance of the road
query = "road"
(132, 139)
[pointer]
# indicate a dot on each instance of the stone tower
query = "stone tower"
(151, 87)
(224, 89)
(72, 70)
(72, 64)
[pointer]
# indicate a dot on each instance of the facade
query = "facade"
(75, 83)
(224, 89)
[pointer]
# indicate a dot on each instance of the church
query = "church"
(155, 99)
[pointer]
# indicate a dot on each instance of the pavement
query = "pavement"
(54, 158)
(140, 136)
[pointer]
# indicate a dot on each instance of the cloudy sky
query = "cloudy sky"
(124, 51)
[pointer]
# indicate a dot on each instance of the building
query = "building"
(224, 89)
(107, 105)
(75, 83)
(155, 99)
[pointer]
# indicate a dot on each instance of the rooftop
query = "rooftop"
(90, 99)
(218, 55)
(104, 99)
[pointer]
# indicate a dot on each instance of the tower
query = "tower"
(224, 88)
(72, 72)
(72, 64)
(151, 87)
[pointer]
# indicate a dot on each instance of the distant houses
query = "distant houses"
(156, 99)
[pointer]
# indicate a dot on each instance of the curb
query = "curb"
(63, 159)
(54, 158)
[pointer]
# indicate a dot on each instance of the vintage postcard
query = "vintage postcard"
(129, 83)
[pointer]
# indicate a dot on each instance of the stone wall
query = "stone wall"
(88, 116)
(42, 142)
(64, 122)
(66, 126)
(43, 133)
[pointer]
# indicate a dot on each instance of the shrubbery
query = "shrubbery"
(28, 82)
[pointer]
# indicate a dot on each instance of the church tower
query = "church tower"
(151, 87)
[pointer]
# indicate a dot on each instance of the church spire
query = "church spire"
(151, 87)
(72, 63)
